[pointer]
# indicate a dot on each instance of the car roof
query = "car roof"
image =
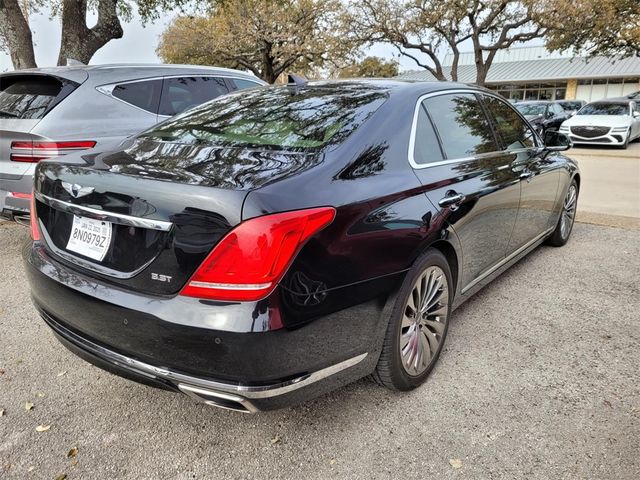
(128, 71)
(615, 100)
(393, 85)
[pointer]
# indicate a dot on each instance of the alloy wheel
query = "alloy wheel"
(424, 320)
(568, 211)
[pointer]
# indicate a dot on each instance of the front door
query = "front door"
(537, 169)
(467, 177)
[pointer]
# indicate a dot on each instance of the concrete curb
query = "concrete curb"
(617, 221)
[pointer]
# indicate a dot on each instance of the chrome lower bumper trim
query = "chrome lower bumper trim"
(198, 387)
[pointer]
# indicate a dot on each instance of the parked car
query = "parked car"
(571, 107)
(634, 95)
(606, 122)
(49, 112)
(272, 245)
(543, 115)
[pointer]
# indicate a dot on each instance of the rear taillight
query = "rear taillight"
(250, 260)
(35, 231)
(31, 152)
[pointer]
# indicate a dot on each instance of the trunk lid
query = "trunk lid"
(166, 205)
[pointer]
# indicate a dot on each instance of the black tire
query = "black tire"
(625, 145)
(560, 236)
(390, 371)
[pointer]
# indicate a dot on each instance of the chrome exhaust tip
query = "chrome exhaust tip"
(23, 220)
(218, 399)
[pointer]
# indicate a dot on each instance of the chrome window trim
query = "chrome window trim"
(118, 218)
(414, 126)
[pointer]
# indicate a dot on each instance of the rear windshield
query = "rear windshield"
(570, 105)
(28, 97)
(604, 109)
(278, 117)
(532, 109)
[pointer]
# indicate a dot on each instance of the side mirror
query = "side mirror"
(556, 141)
(636, 114)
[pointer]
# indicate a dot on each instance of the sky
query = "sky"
(137, 45)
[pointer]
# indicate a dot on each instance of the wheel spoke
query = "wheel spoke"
(434, 326)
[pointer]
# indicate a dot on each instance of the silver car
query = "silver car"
(48, 112)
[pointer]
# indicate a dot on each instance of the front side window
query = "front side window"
(426, 146)
(180, 94)
(461, 124)
(144, 94)
(241, 83)
(512, 130)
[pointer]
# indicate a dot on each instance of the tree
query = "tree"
(78, 41)
(423, 29)
(605, 27)
(15, 34)
(267, 37)
(371, 67)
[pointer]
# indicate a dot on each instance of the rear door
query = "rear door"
(538, 170)
(456, 156)
(182, 93)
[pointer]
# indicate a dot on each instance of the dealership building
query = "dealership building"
(533, 73)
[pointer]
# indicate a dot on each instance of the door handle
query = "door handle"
(452, 200)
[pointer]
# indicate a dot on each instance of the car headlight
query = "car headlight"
(620, 129)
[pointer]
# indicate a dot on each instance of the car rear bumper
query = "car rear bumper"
(13, 190)
(245, 369)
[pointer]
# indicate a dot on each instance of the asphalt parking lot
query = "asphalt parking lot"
(539, 379)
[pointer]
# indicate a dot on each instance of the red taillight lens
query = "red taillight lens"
(32, 152)
(251, 259)
(35, 231)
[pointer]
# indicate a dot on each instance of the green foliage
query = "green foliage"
(267, 37)
(371, 67)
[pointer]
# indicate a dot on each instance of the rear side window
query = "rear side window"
(512, 130)
(29, 96)
(144, 95)
(241, 84)
(180, 94)
(461, 124)
(426, 146)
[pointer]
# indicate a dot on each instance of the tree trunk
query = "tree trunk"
(17, 35)
(80, 42)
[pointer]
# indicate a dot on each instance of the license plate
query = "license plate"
(89, 237)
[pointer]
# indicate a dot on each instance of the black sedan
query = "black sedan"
(272, 245)
(543, 115)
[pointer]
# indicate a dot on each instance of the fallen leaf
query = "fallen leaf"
(332, 461)
(62, 373)
(42, 428)
(1, 412)
(28, 406)
(607, 403)
(455, 462)
(2, 371)
(275, 440)
(73, 452)
(40, 394)
(62, 476)
(19, 361)
(31, 468)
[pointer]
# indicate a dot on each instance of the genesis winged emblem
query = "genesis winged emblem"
(77, 191)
